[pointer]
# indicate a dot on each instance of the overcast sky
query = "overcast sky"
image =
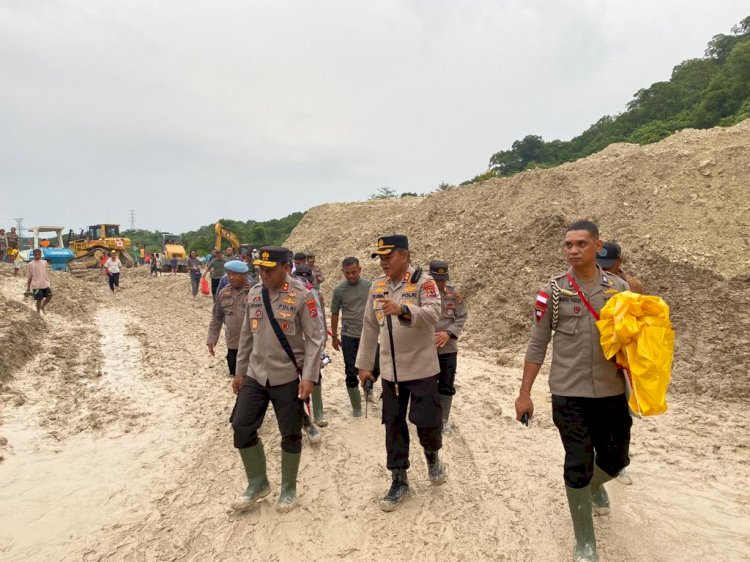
(188, 111)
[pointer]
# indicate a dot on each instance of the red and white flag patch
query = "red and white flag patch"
(312, 309)
(540, 305)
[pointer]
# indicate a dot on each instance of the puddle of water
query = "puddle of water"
(54, 493)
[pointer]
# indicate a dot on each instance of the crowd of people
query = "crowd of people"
(402, 328)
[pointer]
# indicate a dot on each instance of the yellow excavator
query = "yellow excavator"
(231, 237)
(100, 239)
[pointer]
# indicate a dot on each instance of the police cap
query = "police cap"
(386, 245)
(271, 256)
(439, 270)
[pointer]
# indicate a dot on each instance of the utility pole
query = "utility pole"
(132, 220)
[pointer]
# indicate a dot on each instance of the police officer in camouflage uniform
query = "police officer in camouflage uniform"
(589, 407)
(229, 311)
(266, 373)
(447, 331)
(402, 310)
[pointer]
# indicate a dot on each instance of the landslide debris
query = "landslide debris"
(679, 208)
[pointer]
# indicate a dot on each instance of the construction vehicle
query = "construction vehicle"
(172, 249)
(98, 241)
(231, 237)
(57, 255)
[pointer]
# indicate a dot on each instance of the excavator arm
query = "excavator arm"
(228, 235)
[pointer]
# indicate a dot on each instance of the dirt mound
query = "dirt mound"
(678, 208)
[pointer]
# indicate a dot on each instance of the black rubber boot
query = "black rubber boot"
(445, 404)
(398, 492)
(579, 501)
(254, 460)
(356, 399)
(435, 467)
(317, 406)
(599, 497)
(289, 468)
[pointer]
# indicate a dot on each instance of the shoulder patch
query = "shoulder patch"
(311, 306)
(430, 288)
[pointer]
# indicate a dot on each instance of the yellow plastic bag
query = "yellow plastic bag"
(635, 329)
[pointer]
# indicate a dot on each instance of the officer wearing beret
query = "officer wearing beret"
(266, 373)
(402, 310)
(447, 331)
(589, 407)
(229, 311)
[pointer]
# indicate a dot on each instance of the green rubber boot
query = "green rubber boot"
(445, 404)
(599, 496)
(289, 468)
(579, 501)
(356, 399)
(254, 460)
(317, 406)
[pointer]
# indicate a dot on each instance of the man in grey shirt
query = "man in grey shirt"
(350, 296)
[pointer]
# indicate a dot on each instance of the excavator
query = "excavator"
(231, 237)
(100, 239)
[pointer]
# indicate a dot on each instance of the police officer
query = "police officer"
(305, 273)
(447, 331)
(266, 373)
(229, 311)
(589, 407)
(402, 309)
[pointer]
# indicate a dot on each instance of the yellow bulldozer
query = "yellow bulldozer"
(172, 249)
(100, 239)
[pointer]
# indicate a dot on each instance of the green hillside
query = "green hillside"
(701, 93)
(255, 233)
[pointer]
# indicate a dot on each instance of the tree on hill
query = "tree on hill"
(255, 233)
(701, 93)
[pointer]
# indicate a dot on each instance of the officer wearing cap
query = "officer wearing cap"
(318, 276)
(447, 331)
(279, 309)
(300, 258)
(305, 273)
(589, 407)
(402, 310)
(609, 259)
(229, 311)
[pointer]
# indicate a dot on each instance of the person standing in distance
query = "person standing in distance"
(229, 311)
(447, 331)
(402, 310)
(589, 407)
(269, 370)
(38, 281)
(350, 299)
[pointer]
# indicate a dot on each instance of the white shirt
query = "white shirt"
(113, 265)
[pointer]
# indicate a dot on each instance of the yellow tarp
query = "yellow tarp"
(635, 329)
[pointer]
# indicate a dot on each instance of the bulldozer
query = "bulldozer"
(172, 248)
(100, 239)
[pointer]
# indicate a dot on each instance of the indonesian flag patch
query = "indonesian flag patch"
(312, 309)
(540, 305)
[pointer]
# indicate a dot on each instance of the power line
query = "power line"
(132, 219)
(19, 226)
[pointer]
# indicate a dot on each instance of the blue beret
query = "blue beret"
(236, 266)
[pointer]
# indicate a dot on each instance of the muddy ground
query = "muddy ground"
(118, 448)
